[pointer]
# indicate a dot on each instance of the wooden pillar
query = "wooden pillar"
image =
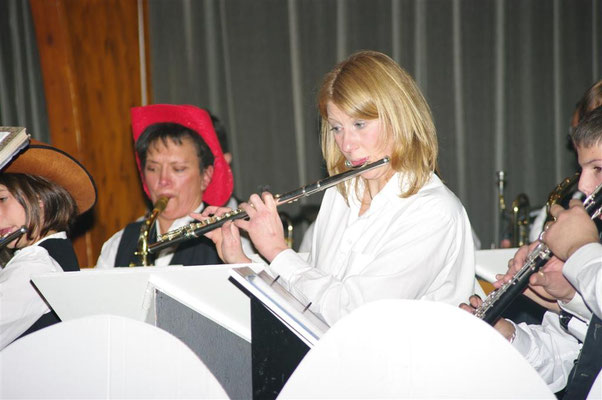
(89, 55)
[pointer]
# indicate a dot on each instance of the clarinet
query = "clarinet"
(15, 235)
(498, 300)
(197, 229)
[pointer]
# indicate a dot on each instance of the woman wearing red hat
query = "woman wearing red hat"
(43, 190)
(179, 157)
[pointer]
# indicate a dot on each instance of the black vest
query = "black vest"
(588, 365)
(199, 251)
(62, 252)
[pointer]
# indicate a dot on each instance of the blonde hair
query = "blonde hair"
(370, 85)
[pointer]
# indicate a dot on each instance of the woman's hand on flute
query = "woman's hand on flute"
(264, 225)
(226, 238)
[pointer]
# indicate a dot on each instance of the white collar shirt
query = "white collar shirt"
(20, 304)
(548, 347)
(419, 247)
(584, 271)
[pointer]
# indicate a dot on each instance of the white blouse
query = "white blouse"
(549, 348)
(20, 304)
(420, 247)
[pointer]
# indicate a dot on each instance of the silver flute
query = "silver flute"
(496, 303)
(197, 229)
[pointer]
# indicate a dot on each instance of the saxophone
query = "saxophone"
(498, 300)
(142, 253)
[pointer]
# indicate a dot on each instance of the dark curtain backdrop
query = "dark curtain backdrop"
(502, 78)
(22, 101)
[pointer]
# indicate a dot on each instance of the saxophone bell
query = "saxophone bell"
(142, 251)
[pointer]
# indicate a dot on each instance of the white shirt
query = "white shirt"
(108, 253)
(20, 304)
(418, 247)
(577, 307)
(305, 246)
(548, 347)
(584, 271)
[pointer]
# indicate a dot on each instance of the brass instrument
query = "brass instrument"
(513, 224)
(520, 220)
(196, 229)
(498, 300)
(562, 191)
(287, 224)
(500, 222)
(142, 251)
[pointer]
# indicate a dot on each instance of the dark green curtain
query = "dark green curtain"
(22, 101)
(502, 78)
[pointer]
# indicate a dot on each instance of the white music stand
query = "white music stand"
(197, 304)
(489, 263)
(413, 349)
(129, 292)
(294, 314)
(105, 357)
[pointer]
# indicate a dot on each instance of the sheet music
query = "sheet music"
(12, 140)
(308, 326)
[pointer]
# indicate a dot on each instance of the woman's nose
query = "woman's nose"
(349, 141)
(164, 177)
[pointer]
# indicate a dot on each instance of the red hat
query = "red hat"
(220, 188)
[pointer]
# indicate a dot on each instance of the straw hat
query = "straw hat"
(59, 167)
(220, 188)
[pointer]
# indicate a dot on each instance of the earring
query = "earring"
(348, 164)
